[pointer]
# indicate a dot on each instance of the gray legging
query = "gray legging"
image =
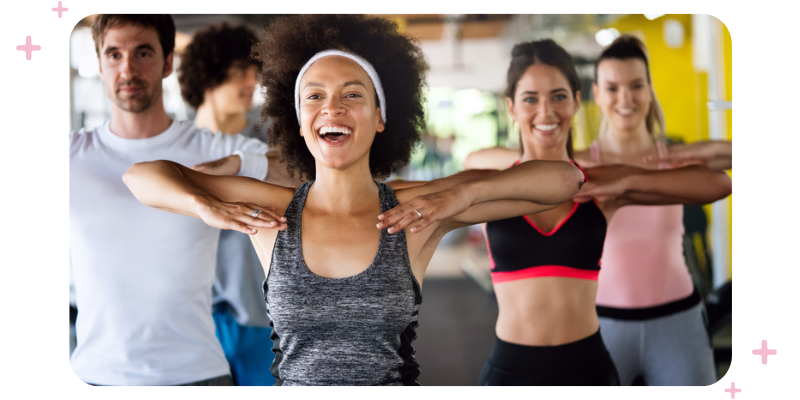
(673, 350)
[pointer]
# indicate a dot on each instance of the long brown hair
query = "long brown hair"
(546, 52)
(628, 47)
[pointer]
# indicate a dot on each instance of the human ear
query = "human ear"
(381, 125)
(510, 104)
(577, 102)
(168, 65)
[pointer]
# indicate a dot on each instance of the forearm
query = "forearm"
(715, 154)
(163, 184)
(723, 155)
(539, 181)
(687, 185)
(491, 158)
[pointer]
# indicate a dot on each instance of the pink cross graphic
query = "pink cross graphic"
(60, 9)
(764, 352)
(28, 48)
(733, 390)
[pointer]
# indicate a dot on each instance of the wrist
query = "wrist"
(468, 190)
(633, 182)
(199, 202)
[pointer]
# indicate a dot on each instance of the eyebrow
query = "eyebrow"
(637, 80)
(348, 83)
(552, 91)
(139, 47)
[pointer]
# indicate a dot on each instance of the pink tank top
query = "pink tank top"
(642, 262)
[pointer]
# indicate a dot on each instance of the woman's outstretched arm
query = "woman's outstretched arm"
(225, 202)
(618, 185)
(491, 158)
(527, 188)
(714, 154)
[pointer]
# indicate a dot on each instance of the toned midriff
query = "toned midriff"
(546, 311)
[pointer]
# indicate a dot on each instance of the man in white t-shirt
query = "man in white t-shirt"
(142, 276)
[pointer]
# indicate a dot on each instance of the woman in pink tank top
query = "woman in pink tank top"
(651, 315)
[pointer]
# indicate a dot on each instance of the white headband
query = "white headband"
(362, 62)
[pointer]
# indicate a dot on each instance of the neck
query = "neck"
(142, 125)
(343, 191)
(627, 141)
(532, 151)
(216, 121)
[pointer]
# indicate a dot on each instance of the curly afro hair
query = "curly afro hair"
(207, 59)
(291, 41)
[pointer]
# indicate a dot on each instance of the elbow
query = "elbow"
(574, 179)
(720, 187)
(134, 172)
(725, 185)
(469, 161)
(570, 179)
(136, 176)
(129, 176)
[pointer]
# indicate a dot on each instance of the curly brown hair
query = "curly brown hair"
(206, 60)
(291, 41)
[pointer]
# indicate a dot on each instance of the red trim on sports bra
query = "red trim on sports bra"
(585, 179)
(542, 271)
(558, 225)
(489, 250)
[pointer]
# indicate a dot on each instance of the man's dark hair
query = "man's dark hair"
(162, 23)
(207, 59)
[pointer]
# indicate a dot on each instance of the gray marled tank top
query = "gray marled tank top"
(349, 331)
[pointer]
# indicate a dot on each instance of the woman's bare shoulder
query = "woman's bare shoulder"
(584, 159)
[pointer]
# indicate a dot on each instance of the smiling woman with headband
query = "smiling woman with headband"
(345, 94)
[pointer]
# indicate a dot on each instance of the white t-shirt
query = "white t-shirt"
(143, 276)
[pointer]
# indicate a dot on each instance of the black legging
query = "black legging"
(585, 362)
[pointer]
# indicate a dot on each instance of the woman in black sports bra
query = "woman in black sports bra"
(545, 266)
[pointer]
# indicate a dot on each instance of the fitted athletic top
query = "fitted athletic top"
(643, 262)
(355, 330)
(518, 249)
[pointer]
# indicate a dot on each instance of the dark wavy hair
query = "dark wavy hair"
(206, 60)
(547, 52)
(291, 41)
(162, 23)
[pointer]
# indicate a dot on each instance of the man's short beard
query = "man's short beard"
(136, 105)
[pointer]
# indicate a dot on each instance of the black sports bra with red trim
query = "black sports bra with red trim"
(518, 249)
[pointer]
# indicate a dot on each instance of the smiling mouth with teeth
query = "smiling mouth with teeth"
(546, 127)
(334, 133)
